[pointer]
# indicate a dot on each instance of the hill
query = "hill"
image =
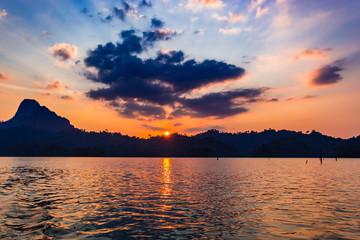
(37, 131)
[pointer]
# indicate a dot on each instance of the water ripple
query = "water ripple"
(124, 198)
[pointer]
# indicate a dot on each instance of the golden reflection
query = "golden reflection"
(166, 176)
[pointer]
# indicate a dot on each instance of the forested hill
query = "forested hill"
(37, 131)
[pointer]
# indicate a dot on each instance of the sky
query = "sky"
(143, 67)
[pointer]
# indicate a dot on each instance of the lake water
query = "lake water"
(179, 198)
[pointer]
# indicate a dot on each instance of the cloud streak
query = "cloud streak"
(313, 53)
(229, 31)
(232, 18)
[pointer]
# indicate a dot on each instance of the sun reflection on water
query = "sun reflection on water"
(166, 176)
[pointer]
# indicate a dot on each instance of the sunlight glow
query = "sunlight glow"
(167, 133)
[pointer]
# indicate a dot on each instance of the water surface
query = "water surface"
(179, 198)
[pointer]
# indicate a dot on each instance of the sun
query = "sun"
(167, 133)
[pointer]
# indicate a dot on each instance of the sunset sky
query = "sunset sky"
(143, 67)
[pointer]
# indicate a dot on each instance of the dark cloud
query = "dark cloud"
(159, 34)
(170, 57)
(158, 80)
(85, 11)
(145, 3)
(328, 74)
(67, 97)
(157, 23)
(141, 111)
(107, 19)
(220, 104)
(126, 6)
(119, 13)
(199, 32)
(141, 88)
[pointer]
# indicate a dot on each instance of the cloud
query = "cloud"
(3, 14)
(301, 98)
(199, 32)
(145, 3)
(154, 79)
(314, 53)
(159, 34)
(144, 88)
(67, 97)
(219, 18)
(4, 77)
(119, 12)
(235, 17)
(327, 75)
(86, 12)
(171, 57)
(309, 97)
(261, 11)
(198, 5)
(141, 111)
(255, 3)
(230, 31)
(107, 19)
(46, 33)
(63, 51)
(56, 85)
(220, 104)
(157, 23)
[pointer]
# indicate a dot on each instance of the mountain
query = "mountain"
(37, 131)
(31, 115)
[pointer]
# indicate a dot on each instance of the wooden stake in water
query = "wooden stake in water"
(321, 158)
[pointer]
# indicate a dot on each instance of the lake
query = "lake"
(179, 198)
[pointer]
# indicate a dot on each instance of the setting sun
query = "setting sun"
(167, 133)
